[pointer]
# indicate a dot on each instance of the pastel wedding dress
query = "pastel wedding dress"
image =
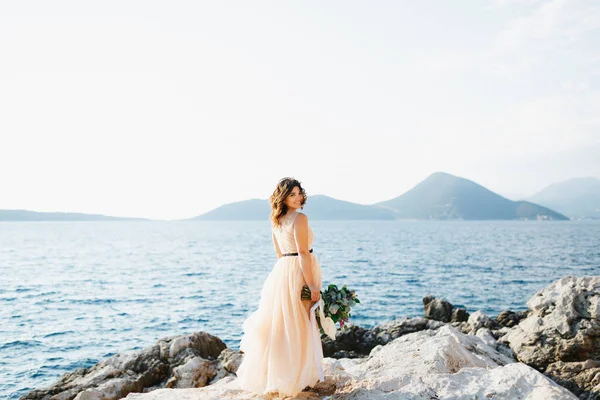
(281, 344)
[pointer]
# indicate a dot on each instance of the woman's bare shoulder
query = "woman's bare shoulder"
(301, 218)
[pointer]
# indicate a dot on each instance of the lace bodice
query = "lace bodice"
(285, 234)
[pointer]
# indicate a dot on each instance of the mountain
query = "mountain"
(318, 207)
(254, 209)
(576, 198)
(440, 196)
(325, 207)
(444, 196)
(24, 215)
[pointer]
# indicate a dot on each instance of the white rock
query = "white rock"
(486, 336)
(196, 372)
(226, 388)
(440, 364)
(478, 320)
(109, 390)
(554, 331)
(178, 344)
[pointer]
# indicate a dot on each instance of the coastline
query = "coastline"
(501, 347)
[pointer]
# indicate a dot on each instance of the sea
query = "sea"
(75, 293)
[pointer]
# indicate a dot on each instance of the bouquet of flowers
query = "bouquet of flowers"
(337, 303)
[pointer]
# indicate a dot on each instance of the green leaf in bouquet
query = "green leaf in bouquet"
(334, 308)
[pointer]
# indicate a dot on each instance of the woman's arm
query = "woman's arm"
(301, 237)
(276, 246)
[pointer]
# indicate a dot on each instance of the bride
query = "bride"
(281, 345)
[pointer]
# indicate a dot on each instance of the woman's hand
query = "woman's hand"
(315, 295)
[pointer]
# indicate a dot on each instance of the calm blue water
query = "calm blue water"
(72, 294)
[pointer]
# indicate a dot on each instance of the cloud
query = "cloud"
(552, 24)
(506, 3)
(541, 24)
(548, 60)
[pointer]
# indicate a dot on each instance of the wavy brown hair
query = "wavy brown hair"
(277, 199)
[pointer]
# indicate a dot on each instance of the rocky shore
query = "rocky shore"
(551, 351)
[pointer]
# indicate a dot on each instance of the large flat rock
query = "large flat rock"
(431, 364)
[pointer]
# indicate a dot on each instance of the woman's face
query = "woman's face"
(294, 200)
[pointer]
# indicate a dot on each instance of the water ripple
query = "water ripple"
(15, 345)
(57, 334)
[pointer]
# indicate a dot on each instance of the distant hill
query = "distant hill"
(24, 215)
(325, 207)
(318, 207)
(576, 198)
(441, 196)
(254, 209)
(444, 196)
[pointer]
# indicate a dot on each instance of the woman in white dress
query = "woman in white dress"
(282, 349)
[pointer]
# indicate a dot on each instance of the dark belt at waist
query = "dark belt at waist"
(293, 254)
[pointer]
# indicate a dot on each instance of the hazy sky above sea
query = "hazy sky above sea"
(170, 109)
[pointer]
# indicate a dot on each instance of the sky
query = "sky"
(167, 110)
